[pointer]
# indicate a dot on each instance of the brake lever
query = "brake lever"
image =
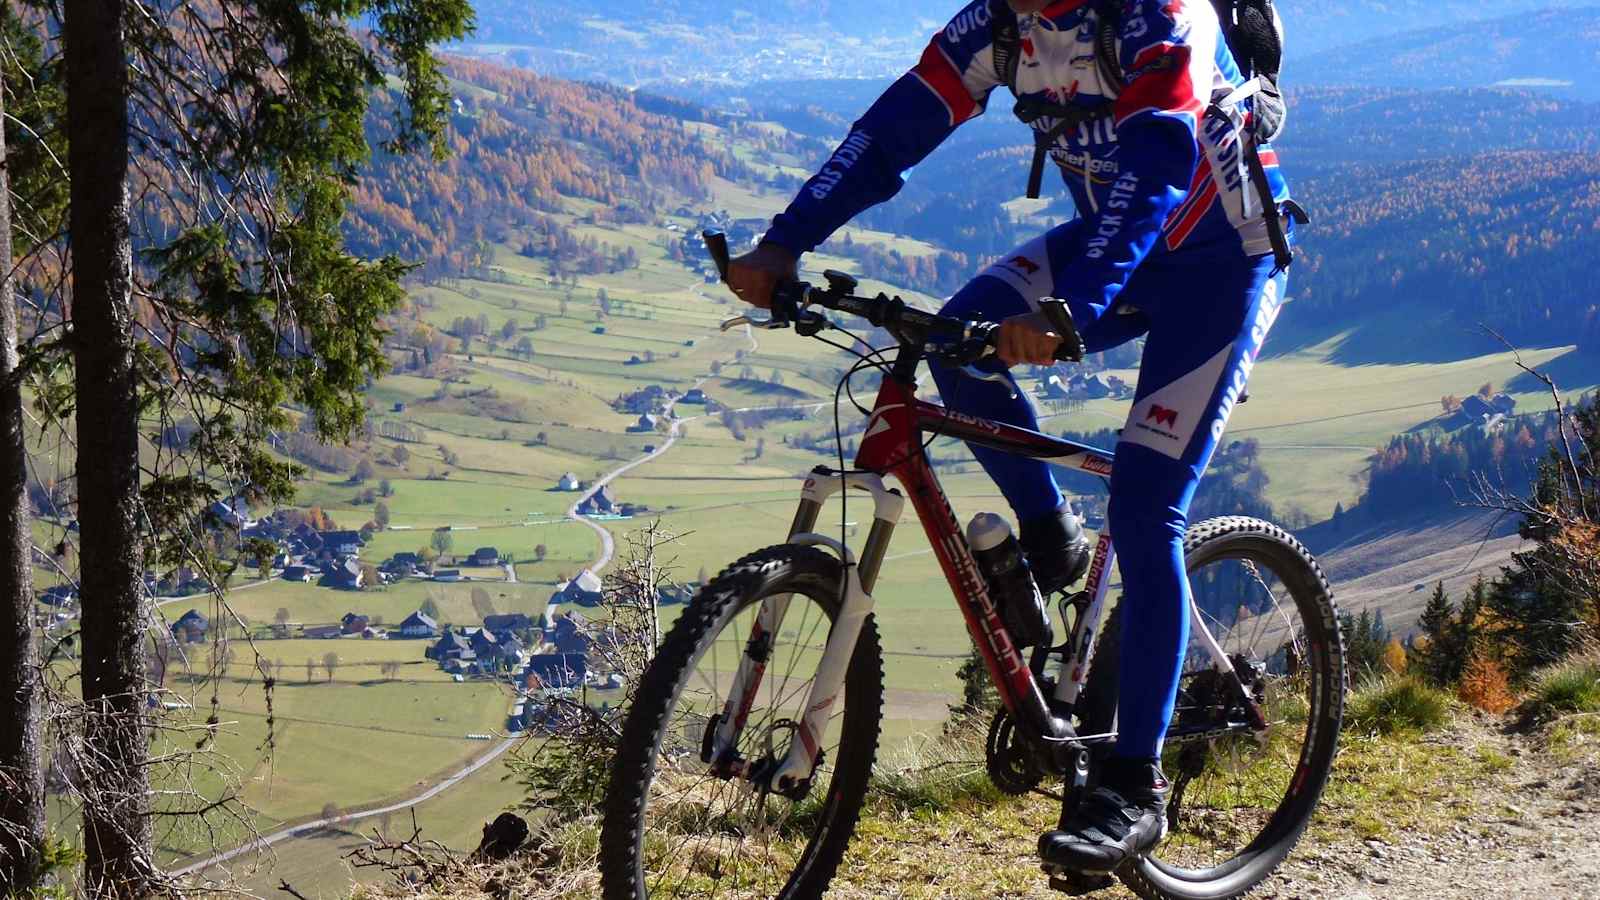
(768, 324)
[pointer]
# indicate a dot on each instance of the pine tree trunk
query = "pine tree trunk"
(21, 769)
(116, 818)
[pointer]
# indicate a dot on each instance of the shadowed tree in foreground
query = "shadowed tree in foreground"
(211, 148)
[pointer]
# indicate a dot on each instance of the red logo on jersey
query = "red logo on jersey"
(1027, 46)
(1025, 264)
(1162, 416)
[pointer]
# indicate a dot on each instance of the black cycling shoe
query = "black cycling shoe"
(1057, 550)
(1120, 820)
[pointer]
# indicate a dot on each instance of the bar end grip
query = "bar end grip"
(717, 246)
(1071, 348)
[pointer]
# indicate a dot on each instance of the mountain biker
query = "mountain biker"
(1169, 243)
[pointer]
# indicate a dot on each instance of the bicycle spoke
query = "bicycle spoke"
(1231, 785)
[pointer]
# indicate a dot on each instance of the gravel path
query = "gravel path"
(1537, 837)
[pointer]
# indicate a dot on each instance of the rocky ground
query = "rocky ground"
(1534, 832)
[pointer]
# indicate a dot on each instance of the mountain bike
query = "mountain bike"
(747, 754)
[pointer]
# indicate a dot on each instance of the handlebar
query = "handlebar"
(957, 340)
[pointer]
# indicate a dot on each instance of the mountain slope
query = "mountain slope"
(1559, 48)
(521, 144)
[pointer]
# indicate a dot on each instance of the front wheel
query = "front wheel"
(675, 828)
(1241, 799)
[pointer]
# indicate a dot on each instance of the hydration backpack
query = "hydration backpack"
(1254, 34)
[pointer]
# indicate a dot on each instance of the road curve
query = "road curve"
(267, 840)
(608, 546)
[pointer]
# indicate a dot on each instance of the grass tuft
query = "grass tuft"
(1572, 686)
(1396, 705)
(938, 774)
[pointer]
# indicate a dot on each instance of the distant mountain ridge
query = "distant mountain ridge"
(640, 42)
(1554, 49)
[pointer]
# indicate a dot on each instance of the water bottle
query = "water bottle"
(1000, 559)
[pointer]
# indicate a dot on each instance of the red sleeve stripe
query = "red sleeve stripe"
(941, 76)
(1269, 157)
(1180, 232)
(1202, 175)
(1169, 91)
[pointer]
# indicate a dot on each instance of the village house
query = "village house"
(347, 575)
(301, 574)
(451, 575)
(342, 543)
(233, 512)
(191, 628)
(600, 503)
(353, 623)
(645, 400)
(495, 653)
(1476, 409)
(508, 623)
(486, 556)
(418, 625)
(304, 542)
(569, 634)
(584, 590)
(451, 645)
(324, 632)
(646, 424)
(554, 671)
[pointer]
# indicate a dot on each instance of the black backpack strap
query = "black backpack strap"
(1006, 40)
(1068, 117)
(1109, 15)
(1282, 253)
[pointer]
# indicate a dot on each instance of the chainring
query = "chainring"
(1008, 760)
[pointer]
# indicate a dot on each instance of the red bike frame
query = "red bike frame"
(893, 445)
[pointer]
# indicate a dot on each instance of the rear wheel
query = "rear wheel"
(672, 827)
(1240, 800)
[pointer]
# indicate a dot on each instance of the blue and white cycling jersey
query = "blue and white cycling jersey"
(1170, 244)
(1158, 177)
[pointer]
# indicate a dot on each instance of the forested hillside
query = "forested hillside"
(1503, 238)
(1556, 48)
(520, 142)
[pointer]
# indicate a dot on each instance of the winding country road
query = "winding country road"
(305, 828)
(608, 545)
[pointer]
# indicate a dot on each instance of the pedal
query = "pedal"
(1076, 884)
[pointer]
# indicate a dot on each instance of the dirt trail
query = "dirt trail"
(1536, 834)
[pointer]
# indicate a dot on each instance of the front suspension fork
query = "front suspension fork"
(792, 774)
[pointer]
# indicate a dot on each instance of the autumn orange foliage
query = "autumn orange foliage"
(1394, 657)
(1484, 685)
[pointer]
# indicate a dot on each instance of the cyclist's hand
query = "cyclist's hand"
(753, 276)
(1027, 338)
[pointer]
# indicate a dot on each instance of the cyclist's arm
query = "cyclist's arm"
(1169, 57)
(946, 88)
